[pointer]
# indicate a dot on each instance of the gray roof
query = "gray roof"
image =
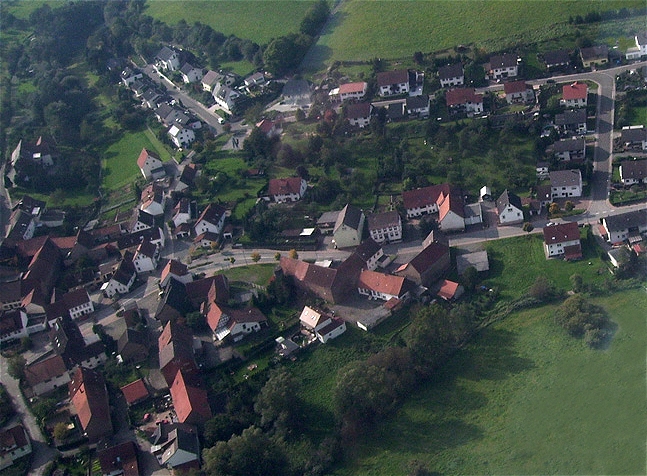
(328, 218)
(417, 102)
(634, 135)
(571, 117)
(296, 88)
(503, 61)
(557, 57)
(594, 52)
(378, 221)
(367, 249)
(350, 216)
(450, 71)
(508, 198)
(478, 260)
(565, 178)
(625, 221)
(165, 54)
(569, 144)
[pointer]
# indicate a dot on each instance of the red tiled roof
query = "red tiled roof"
(575, 91)
(422, 197)
(515, 87)
(457, 97)
(89, 397)
(122, 457)
(284, 186)
(174, 267)
(143, 155)
(448, 289)
(352, 87)
(135, 391)
(561, 233)
(189, 399)
(39, 372)
(451, 201)
(380, 282)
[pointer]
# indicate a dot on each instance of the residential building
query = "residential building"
(174, 303)
(624, 226)
(132, 346)
(352, 90)
(359, 114)
(562, 239)
(370, 253)
(332, 330)
(176, 446)
(175, 345)
(634, 137)
(297, 92)
(190, 74)
(150, 165)
(503, 66)
(450, 290)
(254, 80)
(190, 400)
(451, 75)
(385, 226)
(68, 342)
(594, 56)
(509, 208)
(120, 459)
(177, 270)
(129, 76)
(518, 92)
(313, 320)
(135, 392)
(569, 149)
(187, 178)
(89, 397)
(14, 444)
(141, 221)
(382, 286)
(633, 171)
(291, 189)
(182, 213)
(270, 128)
(237, 323)
(451, 211)
(557, 59)
(181, 136)
(349, 227)
(566, 183)
(392, 83)
(226, 98)
(167, 59)
(44, 376)
(473, 214)
(571, 122)
(464, 100)
(417, 106)
(211, 220)
(575, 95)
(146, 257)
(640, 50)
(427, 266)
(13, 325)
(209, 80)
(122, 279)
(422, 201)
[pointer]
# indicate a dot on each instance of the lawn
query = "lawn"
(639, 115)
(256, 273)
(76, 198)
(259, 21)
(120, 159)
(358, 32)
(525, 398)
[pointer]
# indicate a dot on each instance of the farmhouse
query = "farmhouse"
(566, 183)
(46, 375)
(574, 95)
(633, 171)
(594, 56)
(370, 253)
(571, 122)
(569, 149)
(556, 59)
(464, 99)
(385, 226)
(190, 399)
(282, 190)
(451, 75)
(509, 208)
(503, 66)
(359, 114)
(623, 226)
(518, 92)
(349, 227)
(562, 239)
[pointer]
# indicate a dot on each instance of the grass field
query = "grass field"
(120, 159)
(255, 20)
(358, 30)
(525, 398)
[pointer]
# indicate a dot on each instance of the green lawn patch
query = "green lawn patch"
(525, 398)
(69, 197)
(120, 158)
(639, 115)
(254, 273)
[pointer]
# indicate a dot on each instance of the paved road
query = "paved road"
(42, 453)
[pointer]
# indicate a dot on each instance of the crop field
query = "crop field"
(259, 21)
(526, 398)
(120, 159)
(364, 30)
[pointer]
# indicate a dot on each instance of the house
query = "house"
(152, 98)
(509, 208)
(175, 345)
(313, 319)
(392, 83)
(370, 252)
(14, 444)
(129, 76)
(89, 397)
(187, 178)
(464, 100)
(270, 128)
(74, 304)
(518, 92)
(13, 325)
(291, 189)
(132, 346)
(623, 226)
(207, 240)
(146, 257)
(385, 226)
(141, 221)
(297, 92)
(132, 240)
(543, 193)
(594, 56)
(640, 50)
(210, 220)
(190, 400)
(43, 270)
(503, 66)
(236, 323)
(449, 290)
(119, 459)
(422, 201)
(135, 392)
(44, 376)
(562, 239)
(209, 80)
(174, 302)
(40, 154)
(451, 211)
(359, 114)
(382, 286)
(427, 266)
(21, 226)
(182, 212)
(333, 329)
(352, 90)
(634, 137)
(177, 270)
(477, 260)
(71, 345)
(556, 59)
(633, 171)
(122, 279)
(566, 183)
(569, 149)
(226, 98)
(571, 122)
(473, 214)
(417, 106)
(574, 95)
(167, 59)
(214, 289)
(150, 165)
(176, 446)
(326, 222)
(451, 75)
(254, 80)
(349, 227)
(190, 74)
(181, 136)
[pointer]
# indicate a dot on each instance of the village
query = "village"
(149, 285)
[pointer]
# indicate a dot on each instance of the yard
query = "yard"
(525, 398)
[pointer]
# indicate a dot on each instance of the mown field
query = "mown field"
(525, 398)
(259, 21)
(363, 30)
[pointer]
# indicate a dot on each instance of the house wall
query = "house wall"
(144, 264)
(345, 237)
(51, 384)
(83, 309)
(555, 249)
(457, 81)
(372, 293)
(511, 215)
(570, 191)
(452, 222)
(240, 330)
(393, 89)
(419, 211)
(391, 233)
(332, 334)
(499, 73)
(360, 122)
(204, 226)
(574, 103)
(371, 264)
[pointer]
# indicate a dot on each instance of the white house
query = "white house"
(518, 92)
(566, 183)
(503, 66)
(382, 286)
(391, 83)
(15, 445)
(640, 49)
(464, 99)
(176, 270)
(562, 239)
(352, 90)
(312, 319)
(190, 74)
(571, 122)
(422, 201)
(370, 252)
(167, 59)
(633, 171)
(129, 76)
(225, 97)
(122, 279)
(574, 95)
(417, 105)
(330, 331)
(146, 257)
(621, 227)
(182, 212)
(141, 221)
(451, 75)
(359, 115)
(211, 220)
(290, 189)
(569, 149)
(451, 211)
(634, 137)
(153, 200)
(176, 445)
(509, 208)
(46, 375)
(348, 227)
(150, 165)
(78, 303)
(181, 136)
(386, 226)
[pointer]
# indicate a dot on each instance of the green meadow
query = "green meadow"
(525, 398)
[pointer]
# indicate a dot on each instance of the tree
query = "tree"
(277, 256)
(278, 404)
(576, 282)
(255, 256)
(418, 57)
(541, 289)
(315, 18)
(16, 366)
(470, 278)
(527, 227)
(293, 254)
(299, 115)
(553, 208)
(61, 431)
(568, 206)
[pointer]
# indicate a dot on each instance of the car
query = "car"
(550, 81)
